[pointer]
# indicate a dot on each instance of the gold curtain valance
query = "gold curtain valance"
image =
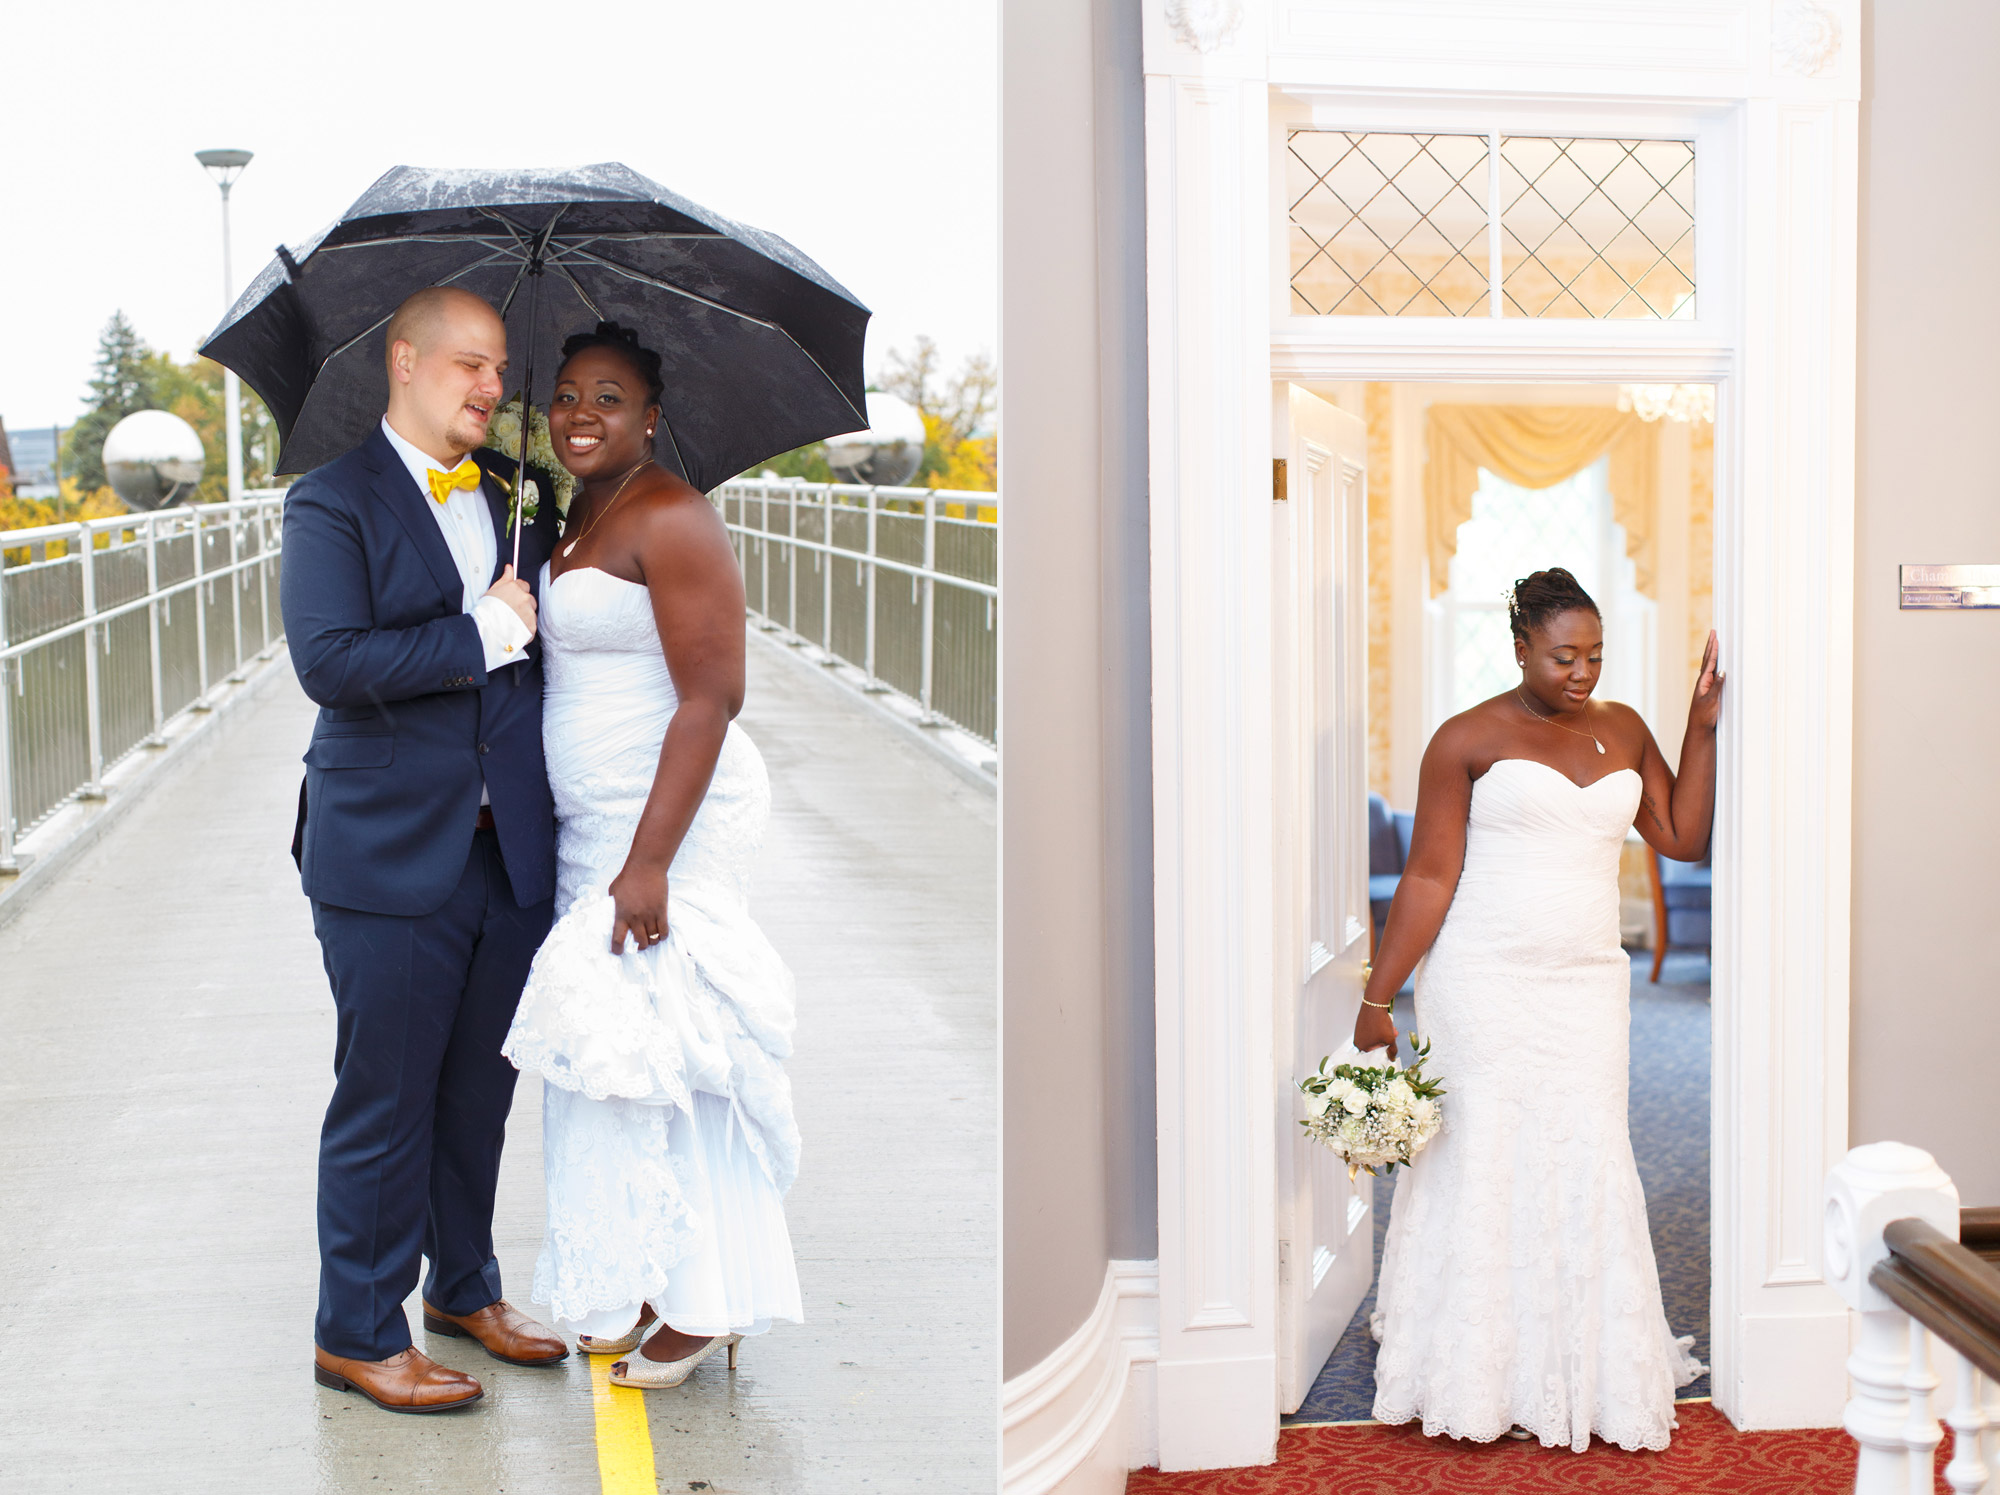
(1537, 446)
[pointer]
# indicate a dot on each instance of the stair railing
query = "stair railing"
(1919, 1273)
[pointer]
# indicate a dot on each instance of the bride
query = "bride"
(657, 1014)
(1518, 1291)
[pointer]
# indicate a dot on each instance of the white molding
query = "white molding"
(1209, 460)
(1078, 1421)
(1777, 241)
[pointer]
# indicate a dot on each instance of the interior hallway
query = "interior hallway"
(167, 1056)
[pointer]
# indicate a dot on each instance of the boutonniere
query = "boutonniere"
(530, 504)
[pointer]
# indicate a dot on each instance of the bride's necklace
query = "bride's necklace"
(618, 494)
(1554, 723)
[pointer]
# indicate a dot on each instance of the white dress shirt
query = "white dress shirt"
(467, 526)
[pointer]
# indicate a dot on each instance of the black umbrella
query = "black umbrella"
(759, 347)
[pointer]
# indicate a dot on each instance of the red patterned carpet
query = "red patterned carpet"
(1707, 1455)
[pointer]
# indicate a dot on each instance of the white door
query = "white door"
(1320, 625)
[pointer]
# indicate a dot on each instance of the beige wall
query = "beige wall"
(1926, 1014)
(1076, 789)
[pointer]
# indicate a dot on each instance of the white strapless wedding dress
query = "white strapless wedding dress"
(1518, 1284)
(667, 1133)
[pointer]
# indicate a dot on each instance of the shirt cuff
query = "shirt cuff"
(501, 633)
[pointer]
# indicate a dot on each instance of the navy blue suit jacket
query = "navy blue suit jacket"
(410, 724)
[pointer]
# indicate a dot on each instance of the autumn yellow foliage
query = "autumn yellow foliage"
(969, 463)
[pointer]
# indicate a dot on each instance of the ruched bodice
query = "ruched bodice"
(1518, 1282)
(1541, 860)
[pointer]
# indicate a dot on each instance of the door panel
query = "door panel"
(1319, 625)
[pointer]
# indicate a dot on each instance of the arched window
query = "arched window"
(1512, 532)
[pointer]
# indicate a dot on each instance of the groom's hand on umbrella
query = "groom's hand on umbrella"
(518, 595)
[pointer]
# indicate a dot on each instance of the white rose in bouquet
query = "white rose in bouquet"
(1372, 1115)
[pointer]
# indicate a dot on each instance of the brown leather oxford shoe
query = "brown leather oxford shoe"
(409, 1382)
(503, 1330)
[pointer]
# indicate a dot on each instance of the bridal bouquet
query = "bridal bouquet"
(503, 434)
(1372, 1115)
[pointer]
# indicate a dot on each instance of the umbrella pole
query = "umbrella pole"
(527, 415)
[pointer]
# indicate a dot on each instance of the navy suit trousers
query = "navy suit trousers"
(409, 1155)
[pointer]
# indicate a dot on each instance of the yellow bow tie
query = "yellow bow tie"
(443, 484)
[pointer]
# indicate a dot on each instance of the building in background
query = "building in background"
(34, 461)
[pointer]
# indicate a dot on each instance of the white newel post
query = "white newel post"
(1888, 1409)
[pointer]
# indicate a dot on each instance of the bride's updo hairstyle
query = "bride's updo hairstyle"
(623, 341)
(1545, 595)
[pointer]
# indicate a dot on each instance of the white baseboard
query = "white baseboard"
(1078, 1421)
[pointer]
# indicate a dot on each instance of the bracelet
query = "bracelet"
(1385, 1006)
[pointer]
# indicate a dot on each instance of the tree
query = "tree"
(120, 385)
(131, 376)
(959, 451)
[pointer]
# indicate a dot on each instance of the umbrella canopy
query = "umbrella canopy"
(759, 347)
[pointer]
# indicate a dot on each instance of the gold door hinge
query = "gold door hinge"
(1279, 491)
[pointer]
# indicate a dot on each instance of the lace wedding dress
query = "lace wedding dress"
(667, 1133)
(1518, 1284)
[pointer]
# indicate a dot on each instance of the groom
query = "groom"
(426, 842)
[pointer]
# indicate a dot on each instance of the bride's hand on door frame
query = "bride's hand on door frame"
(1706, 706)
(639, 906)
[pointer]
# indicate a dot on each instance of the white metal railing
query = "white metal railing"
(110, 628)
(1893, 1381)
(934, 640)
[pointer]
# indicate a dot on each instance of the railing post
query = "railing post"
(1871, 1187)
(868, 635)
(264, 577)
(764, 555)
(826, 576)
(930, 609)
(1971, 1430)
(8, 861)
(792, 559)
(93, 683)
(201, 701)
(235, 596)
(158, 736)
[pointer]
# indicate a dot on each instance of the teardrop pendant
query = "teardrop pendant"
(572, 546)
(1600, 746)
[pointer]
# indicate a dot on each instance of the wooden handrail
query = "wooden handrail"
(1979, 1231)
(1945, 1286)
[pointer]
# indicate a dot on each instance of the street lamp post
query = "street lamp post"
(225, 167)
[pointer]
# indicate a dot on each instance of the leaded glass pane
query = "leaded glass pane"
(1387, 225)
(1596, 228)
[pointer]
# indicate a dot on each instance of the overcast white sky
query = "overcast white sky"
(864, 131)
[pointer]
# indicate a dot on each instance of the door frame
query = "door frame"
(1777, 84)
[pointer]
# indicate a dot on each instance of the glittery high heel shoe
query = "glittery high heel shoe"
(591, 1345)
(657, 1375)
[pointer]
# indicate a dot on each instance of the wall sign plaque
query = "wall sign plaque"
(1951, 586)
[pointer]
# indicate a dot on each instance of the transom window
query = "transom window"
(1401, 225)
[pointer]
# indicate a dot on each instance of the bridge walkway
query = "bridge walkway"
(167, 1054)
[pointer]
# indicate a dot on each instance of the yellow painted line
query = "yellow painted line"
(624, 1443)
